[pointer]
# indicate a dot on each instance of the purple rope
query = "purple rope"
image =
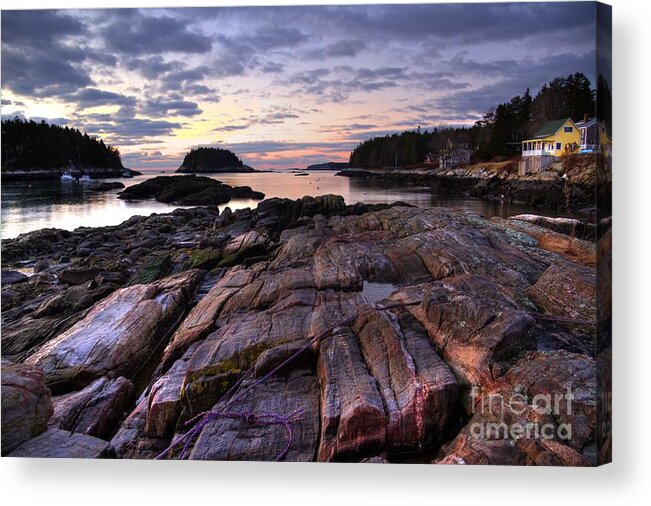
(255, 420)
(263, 419)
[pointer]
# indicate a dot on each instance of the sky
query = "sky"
(281, 86)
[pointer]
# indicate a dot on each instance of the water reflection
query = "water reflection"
(28, 206)
(53, 204)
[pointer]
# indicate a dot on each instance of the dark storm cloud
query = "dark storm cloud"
(516, 77)
(346, 47)
(145, 35)
(236, 55)
(92, 97)
(44, 53)
(35, 57)
(152, 67)
(272, 68)
(39, 74)
(38, 29)
(337, 84)
(128, 131)
(185, 80)
(460, 23)
(173, 105)
(272, 38)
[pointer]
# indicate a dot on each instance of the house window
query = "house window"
(558, 145)
(568, 130)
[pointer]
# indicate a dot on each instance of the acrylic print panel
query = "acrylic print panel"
(371, 233)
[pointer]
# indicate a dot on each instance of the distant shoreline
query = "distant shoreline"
(52, 174)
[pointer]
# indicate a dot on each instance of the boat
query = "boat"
(67, 177)
(127, 173)
(85, 179)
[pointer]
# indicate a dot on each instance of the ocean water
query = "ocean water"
(28, 206)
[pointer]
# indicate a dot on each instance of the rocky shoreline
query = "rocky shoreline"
(564, 186)
(49, 174)
(116, 337)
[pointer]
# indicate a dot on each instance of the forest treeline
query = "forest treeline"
(27, 144)
(499, 131)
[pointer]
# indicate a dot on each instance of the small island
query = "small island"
(329, 166)
(212, 160)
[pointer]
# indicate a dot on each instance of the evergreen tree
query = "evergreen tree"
(215, 158)
(30, 145)
(499, 129)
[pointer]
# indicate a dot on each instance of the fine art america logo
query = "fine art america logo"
(519, 416)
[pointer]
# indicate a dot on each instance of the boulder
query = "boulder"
(97, 410)
(41, 266)
(78, 276)
(201, 319)
(566, 226)
(26, 404)
(187, 190)
(477, 330)
(418, 389)
(541, 412)
(61, 444)
(236, 345)
(105, 187)
(34, 244)
(568, 378)
(118, 335)
(467, 450)
(130, 441)
(165, 398)
(244, 246)
(353, 420)
(56, 314)
(276, 214)
(12, 277)
(567, 291)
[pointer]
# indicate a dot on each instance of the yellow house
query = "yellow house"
(555, 138)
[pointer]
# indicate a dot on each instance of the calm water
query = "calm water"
(45, 204)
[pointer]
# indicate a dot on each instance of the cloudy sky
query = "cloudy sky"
(281, 86)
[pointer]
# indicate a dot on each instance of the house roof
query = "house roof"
(549, 128)
(585, 124)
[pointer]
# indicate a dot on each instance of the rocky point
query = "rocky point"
(113, 339)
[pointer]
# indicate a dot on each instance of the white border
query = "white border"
(626, 481)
